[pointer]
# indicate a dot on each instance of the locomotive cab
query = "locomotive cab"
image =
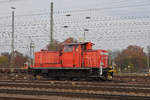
(72, 53)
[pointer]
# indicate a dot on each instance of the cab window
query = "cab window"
(76, 48)
(83, 47)
(68, 48)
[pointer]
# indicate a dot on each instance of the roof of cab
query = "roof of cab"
(82, 43)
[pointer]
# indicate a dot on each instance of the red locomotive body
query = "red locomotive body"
(44, 59)
(74, 60)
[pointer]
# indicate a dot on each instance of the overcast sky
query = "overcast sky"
(126, 7)
(106, 29)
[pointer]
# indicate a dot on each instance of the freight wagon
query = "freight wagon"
(74, 60)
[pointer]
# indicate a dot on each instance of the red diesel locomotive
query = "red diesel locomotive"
(75, 60)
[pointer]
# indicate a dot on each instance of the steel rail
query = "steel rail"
(75, 95)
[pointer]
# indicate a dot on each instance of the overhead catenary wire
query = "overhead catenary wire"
(82, 10)
(31, 26)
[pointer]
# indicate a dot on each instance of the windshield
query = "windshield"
(68, 48)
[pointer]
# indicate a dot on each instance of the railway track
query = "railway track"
(75, 95)
(79, 88)
(72, 84)
(17, 98)
(111, 91)
(36, 82)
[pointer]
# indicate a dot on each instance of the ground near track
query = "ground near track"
(25, 87)
(118, 78)
(111, 91)
(133, 78)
